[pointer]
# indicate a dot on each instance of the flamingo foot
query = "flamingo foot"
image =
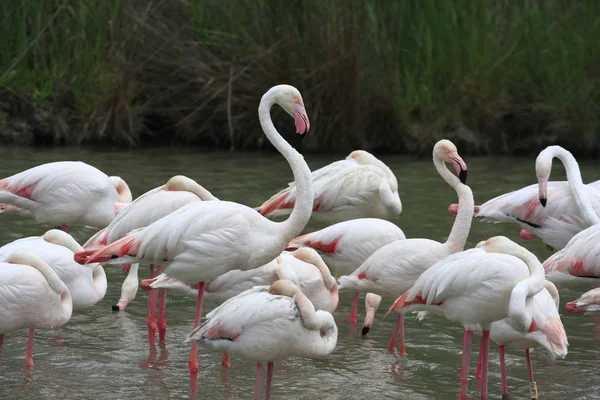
(225, 360)
(402, 350)
(193, 364)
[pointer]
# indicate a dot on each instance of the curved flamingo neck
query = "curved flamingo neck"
(52, 278)
(302, 210)
(462, 223)
(576, 183)
(312, 320)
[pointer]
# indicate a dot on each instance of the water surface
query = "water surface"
(105, 355)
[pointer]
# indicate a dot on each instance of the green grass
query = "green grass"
(493, 75)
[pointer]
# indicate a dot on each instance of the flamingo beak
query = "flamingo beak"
(460, 166)
(543, 188)
(301, 120)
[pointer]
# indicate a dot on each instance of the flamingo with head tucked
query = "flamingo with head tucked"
(477, 287)
(346, 245)
(552, 211)
(62, 193)
(31, 296)
(203, 240)
(360, 186)
(281, 313)
(146, 209)
(393, 268)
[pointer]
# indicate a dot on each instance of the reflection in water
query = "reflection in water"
(106, 355)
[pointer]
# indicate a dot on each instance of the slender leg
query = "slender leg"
(479, 361)
(225, 360)
(486, 357)
(257, 384)
(354, 310)
(464, 371)
(269, 380)
(1, 343)
(402, 350)
(399, 323)
(193, 359)
(503, 373)
(151, 321)
(29, 351)
(532, 384)
(162, 322)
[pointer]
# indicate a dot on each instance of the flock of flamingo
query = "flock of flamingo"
(279, 290)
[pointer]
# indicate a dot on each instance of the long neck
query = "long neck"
(525, 289)
(304, 192)
(312, 320)
(577, 186)
(462, 223)
(52, 278)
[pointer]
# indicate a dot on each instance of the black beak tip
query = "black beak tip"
(365, 330)
(463, 176)
(115, 308)
(543, 201)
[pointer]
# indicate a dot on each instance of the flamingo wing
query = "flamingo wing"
(579, 258)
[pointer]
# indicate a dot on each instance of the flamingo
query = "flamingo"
(129, 289)
(304, 267)
(548, 333)
(62, 193)
(477, 287)
(588, 302)
(393, 268)
(87, 285)
(146, 209)
(203, 240)
(123, 192)
(359, 186)
(268, 324)
(31, 296)
(555, 221)
(372, 302)
(346, 245)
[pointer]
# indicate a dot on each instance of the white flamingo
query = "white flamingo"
(552, 211)
(477, 287)
(87, 284)
(268, 324)
(358, 187)
(63, 193)
(179, 191)
(203, 240)
(587, 303)
(346, 245)
(31, 296)
(393, 268)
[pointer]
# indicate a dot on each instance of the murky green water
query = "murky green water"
(104, 355)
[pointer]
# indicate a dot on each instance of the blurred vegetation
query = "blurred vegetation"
(496, 76)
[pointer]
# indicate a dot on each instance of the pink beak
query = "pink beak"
(301, 120)
(543, 188)
(460, 166)
(368, 320)
(121, 304)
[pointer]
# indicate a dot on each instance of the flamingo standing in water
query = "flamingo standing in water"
(31, 296)
(203, 240)
(64, 193)
(268, 324)
(393, 268)
(555, 221)
(87, 284)
(179, 191)
(359, 186)
(477, 287)
(304, 267)
(346, 245)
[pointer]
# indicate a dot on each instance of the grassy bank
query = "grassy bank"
(494, 75)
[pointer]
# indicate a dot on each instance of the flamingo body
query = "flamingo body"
(588, 302)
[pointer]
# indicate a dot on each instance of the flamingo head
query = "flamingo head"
(446, 151)
(543, 167)
(290, 99)
(501, 244)
(361, 156)
(283, 287)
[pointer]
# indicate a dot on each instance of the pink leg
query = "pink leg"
(399, 323)
(193, 359)
(29, 351)
(162, 322)
(151, 321)
(402, 350)
(486, 357)
(225, 360)
(1, 343)
(257, 384)
(479, 361)
(354, 309)
(503, 373)
(464, 371)
(532, 384)
(64, 228)
(269, 380)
